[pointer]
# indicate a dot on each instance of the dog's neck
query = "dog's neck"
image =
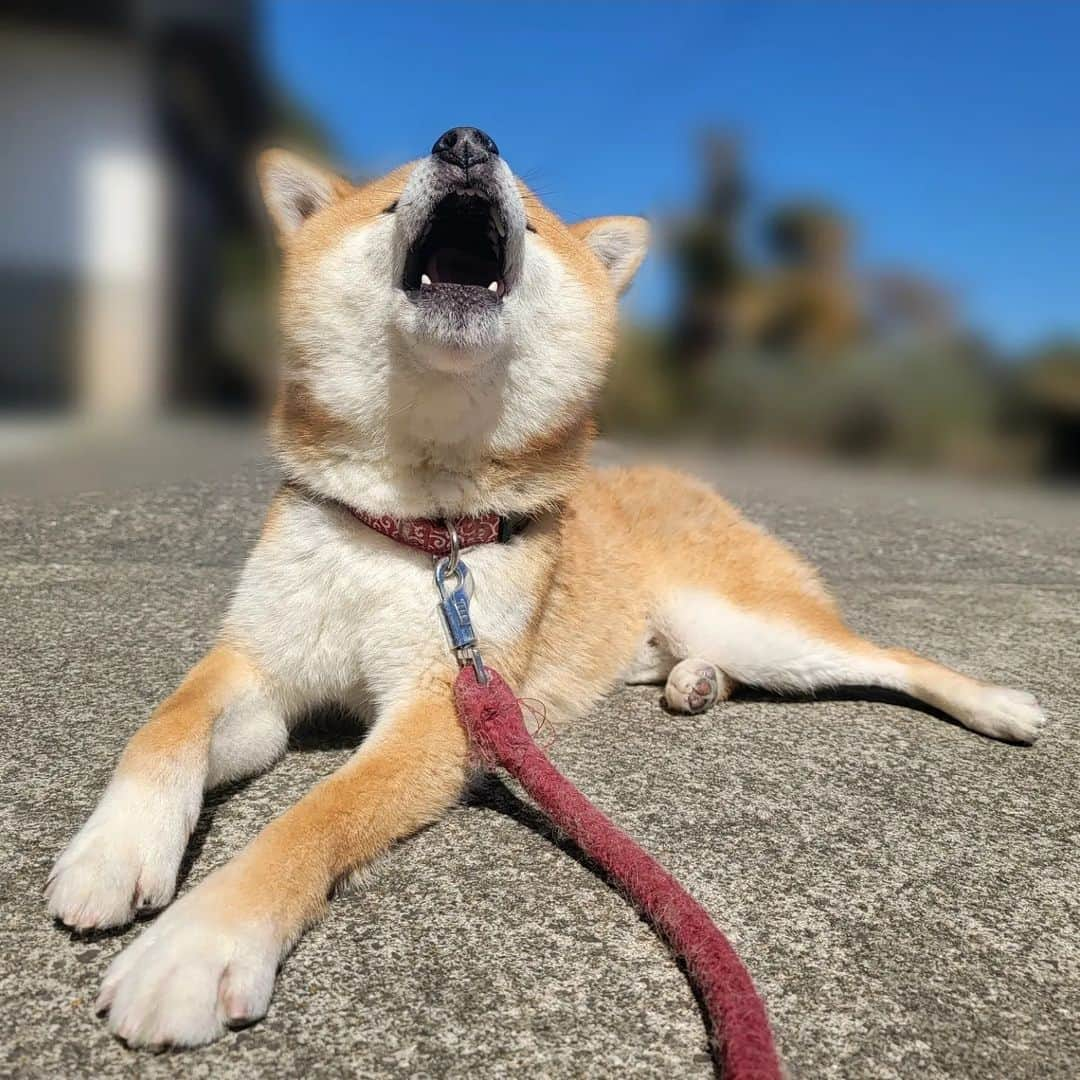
(412, 466)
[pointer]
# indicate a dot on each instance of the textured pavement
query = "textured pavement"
(906, 894)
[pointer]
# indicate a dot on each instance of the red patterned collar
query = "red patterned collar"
(427, 534)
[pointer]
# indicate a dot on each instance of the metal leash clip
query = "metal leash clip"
(454, 606)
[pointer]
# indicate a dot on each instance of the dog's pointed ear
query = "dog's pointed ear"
(620, 243)
(294, 189)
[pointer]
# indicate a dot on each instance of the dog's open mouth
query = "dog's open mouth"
(463, 247)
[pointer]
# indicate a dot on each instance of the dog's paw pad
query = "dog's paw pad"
(694, 686)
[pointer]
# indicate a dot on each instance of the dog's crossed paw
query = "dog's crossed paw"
(693, 686)
(200, 969)
(124, 859)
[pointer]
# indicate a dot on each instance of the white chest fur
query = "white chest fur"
(333, 611)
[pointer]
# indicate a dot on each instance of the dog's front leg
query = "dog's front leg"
(211, 959)
(219, 724)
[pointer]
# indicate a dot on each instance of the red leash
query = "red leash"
(491, 714)
(741, 1039)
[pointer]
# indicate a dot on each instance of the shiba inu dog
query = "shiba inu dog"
(445, 338)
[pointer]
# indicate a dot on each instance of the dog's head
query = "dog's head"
(442, 310)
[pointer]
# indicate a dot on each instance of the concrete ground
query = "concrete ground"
(906, 894)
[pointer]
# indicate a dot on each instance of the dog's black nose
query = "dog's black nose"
(465, 146)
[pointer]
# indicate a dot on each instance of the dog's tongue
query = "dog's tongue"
(450, 265)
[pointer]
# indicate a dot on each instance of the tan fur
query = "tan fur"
(620, 548)
(543, 473)
(395, 785)
(302, 250)
(305, 425)
(566, 242)
(587, 229)
(350, 205)
(539, 476)
(273, 520)
(183, 723)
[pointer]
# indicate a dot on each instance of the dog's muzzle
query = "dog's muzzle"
(464, 223)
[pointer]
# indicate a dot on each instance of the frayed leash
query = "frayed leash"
(740, 1037)
(541, 726)
(742, 1041)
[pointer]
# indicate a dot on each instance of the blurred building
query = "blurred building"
(127, 129)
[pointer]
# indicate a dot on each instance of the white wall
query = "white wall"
(83, 192)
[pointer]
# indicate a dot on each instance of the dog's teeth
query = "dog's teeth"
(424, 279)
(493, 287)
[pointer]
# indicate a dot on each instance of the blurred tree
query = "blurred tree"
(706, 254)
(808, 235)
(812, 304)
(802, 300)
(871, 365)
(641, 395)
(904, 307)
(1050, 385)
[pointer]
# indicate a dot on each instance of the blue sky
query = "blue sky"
(950, 132)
